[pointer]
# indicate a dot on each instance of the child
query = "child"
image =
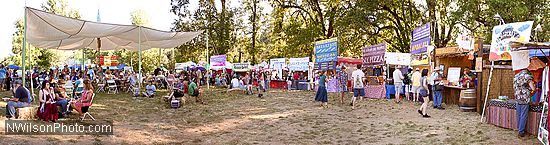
(150, 90)
(194, 90)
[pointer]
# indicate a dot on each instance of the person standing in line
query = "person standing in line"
(437, 88)
(343, 79)
(321, 95)
(398, 83)
(407, 83)
(423, 92)
(416, 84)
(3, 73)
(523, 88)
(358, 85)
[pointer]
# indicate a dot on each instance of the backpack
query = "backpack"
(407, 80)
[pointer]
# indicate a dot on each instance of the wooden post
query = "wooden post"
(480, 77)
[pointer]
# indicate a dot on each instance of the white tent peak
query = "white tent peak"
(51, 31)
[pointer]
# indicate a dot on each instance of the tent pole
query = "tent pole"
(82, 65)
(207, 60)
(139, 68)
(24, 44)
(487, 93)
(30, 66)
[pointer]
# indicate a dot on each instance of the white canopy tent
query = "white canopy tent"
(51, 31)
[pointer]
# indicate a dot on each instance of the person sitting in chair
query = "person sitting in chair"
(20, 99)
(85, 100)
(178, 89)
(150, 90)
(61, 99)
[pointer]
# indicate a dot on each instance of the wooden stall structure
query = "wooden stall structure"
(456, 58)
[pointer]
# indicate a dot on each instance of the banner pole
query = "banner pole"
(139, 68)
(487, 93)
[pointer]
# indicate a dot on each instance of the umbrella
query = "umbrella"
(11, 66)
(121, 66)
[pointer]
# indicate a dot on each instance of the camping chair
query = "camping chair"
(111, 85)
(86, 109)
(100, 85)
(79, 89)
(69, 88)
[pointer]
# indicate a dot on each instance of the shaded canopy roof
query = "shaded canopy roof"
(47, 30)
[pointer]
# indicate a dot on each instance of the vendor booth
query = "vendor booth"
(394, 59)
(534, 56)
(501, 109)
(299, 67)
(277, 65)
(459, 79)
(373, 61)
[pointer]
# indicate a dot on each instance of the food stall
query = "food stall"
(373, 61)
(300, 66)
(501, 110)
(394, 59)
(458, 89)
(277, 65)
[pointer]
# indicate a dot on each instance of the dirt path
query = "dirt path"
(280, 118)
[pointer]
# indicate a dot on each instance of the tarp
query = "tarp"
(47, 30)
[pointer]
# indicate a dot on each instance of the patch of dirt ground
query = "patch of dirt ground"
(281, 117)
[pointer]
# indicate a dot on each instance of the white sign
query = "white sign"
(503, 34)
(277, 63)
(453, 74)
(398, 58)
(180, 66)
(465, 41)
(241, 67)
(520, 59)
(298, 64)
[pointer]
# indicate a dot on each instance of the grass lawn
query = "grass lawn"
(281, 117)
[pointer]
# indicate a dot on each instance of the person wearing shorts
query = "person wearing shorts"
(358, 85)
(398, 82)
(415, 81)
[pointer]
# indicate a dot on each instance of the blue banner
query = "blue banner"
(326, 50)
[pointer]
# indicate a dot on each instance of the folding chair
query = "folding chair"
(112, 87)
(79, 89)
(86, 109)
(100, 86)
(69, 88)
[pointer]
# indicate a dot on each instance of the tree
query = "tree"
(42, 58)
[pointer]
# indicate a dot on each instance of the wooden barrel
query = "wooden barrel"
(467, 101)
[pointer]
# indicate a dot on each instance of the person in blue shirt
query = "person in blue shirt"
(150, 90)
(3, 73)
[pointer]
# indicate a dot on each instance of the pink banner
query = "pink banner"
(374, 54)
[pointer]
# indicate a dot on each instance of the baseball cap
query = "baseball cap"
(17, 82)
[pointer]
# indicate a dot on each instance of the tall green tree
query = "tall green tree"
(42, 58)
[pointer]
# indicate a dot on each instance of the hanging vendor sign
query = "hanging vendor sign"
(326, 53)
(374, 54)
(107, 60)
(393, 58)
(503, 34)
(419, 45)
(218, 61)
(241, 67)
(277, 63)
(465, 41)
(298, 64)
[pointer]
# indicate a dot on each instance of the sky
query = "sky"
(111, 11)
